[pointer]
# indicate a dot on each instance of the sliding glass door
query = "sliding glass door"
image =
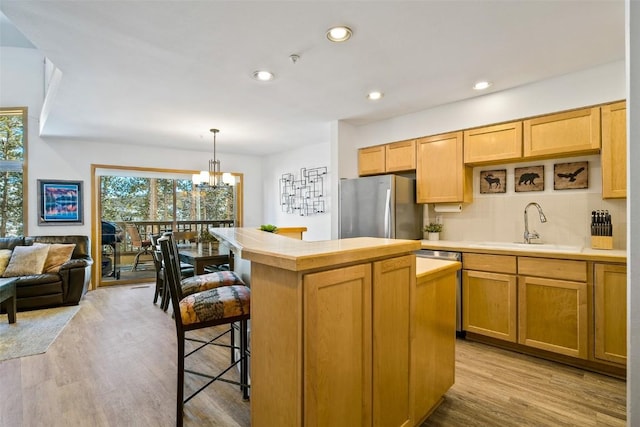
(134, 204)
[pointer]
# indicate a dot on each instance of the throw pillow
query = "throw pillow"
(59, 253)
(27, 260)
(5, 256)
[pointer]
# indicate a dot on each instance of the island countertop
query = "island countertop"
(299, 255)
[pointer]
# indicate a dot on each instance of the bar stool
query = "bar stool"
(221, 305)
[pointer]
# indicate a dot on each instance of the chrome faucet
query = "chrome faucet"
(533, 235)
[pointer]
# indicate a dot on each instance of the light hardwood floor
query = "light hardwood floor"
(114, 365)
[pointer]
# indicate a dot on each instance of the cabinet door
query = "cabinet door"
(433, 345)
(393, 284)
(337, 347)
(490, 144)
(489, 304)
(441, 175)
(614, 151)
(371, 160)
(401, 156)
(552, 315)
(569, 133)
(611, 312)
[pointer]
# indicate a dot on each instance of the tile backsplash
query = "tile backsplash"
(500, 217)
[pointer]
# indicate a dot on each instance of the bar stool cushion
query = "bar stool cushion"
(203, 282)
(214, 304)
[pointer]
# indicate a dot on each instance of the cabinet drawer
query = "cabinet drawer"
(553, 268)
(486, 262)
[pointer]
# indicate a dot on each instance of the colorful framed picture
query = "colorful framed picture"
(529, 179)
(60, 202)
(568, 176)
(494, 181)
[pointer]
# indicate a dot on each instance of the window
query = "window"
(13, 140)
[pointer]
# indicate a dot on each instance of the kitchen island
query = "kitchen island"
(345, 332)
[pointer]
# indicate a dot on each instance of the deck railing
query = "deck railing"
(146, 228)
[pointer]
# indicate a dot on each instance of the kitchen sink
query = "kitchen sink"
(528, 246)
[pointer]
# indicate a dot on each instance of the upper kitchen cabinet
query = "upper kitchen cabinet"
(400, 156)
(614, 150)
(371, 160)
(441, 176)
(563, 134)
(493, 144)
(394, 157)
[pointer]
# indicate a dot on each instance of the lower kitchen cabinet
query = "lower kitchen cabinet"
(553, 316)
(610, 300)
(490, 304)
(357, 344)
(337, 383)
(433, 345)
(392, 340)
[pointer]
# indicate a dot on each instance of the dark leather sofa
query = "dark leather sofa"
(65, 287)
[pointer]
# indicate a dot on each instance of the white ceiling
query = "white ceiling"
(164, 72)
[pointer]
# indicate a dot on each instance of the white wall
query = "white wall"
(312, 156)
(633, 180)
(22, 83)
(594, 86)
(500, 217)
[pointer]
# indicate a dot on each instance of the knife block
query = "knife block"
(601, 242)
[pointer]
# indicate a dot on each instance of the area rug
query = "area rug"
(33, 332)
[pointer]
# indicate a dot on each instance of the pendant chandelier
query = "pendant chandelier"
(213, 177)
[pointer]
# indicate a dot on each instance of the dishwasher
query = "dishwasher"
(449, 256)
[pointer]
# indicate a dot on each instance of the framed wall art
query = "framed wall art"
(568, 176)
(60, 202)
(529, 178)
(494, 181)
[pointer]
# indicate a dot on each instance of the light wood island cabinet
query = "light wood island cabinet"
(493, 144)
(614, 150)
(433, 343)
(610, 301)
(441, 176)
(562, 134)
(334, 326)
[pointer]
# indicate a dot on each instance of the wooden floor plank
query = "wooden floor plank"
(114, 365)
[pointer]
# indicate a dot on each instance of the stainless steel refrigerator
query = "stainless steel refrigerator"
(380, 206)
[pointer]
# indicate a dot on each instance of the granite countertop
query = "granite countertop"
(543, 251)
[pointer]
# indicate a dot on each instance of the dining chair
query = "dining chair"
(222, 305)
(143, 246)
(162, 291)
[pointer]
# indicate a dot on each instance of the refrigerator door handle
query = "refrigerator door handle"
(387, 215)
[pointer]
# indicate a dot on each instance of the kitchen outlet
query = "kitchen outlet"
(438, 219)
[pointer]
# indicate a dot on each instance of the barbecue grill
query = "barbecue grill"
(112, 234)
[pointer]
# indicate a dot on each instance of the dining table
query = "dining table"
(201, 255)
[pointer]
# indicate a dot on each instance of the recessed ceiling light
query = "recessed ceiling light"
(375, 95)
(263, 76)
(339, 34)
(482, 85)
